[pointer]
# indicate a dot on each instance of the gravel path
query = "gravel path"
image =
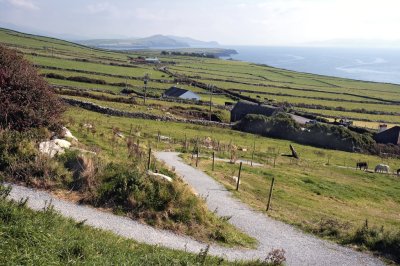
(237, 161)
(301, 248)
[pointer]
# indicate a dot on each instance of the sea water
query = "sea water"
(369, 64)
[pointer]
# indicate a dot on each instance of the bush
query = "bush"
(140, 195)
(282, 125)
(86, 80)
(26, 99)
(377, 239)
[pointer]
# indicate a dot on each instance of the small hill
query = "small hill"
(155, 41)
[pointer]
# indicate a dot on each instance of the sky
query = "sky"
(230, 22)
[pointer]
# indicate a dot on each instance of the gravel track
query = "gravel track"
(301, 249)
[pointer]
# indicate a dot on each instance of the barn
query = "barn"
(175, 92)
(242, 108)
(389, 136)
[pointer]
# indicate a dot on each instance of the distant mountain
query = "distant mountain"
(152, 42)
(195, 43)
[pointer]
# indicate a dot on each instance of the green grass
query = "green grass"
(306, 191)
(45, 238)
(295, 87)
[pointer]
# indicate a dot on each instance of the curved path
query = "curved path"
(301, 249)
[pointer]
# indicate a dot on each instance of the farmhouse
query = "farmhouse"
(175, 92)
(242, 108)
(151, 60)
(388, 136)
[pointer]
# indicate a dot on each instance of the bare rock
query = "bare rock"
(54, 147)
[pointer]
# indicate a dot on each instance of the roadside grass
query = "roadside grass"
(46, 238)
(117, 180)
(322, 186)
(325, 200)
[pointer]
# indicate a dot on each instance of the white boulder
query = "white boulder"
(66, 133)
(54, 147)
(165, 177)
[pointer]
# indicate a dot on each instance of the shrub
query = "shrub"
(26, 99)
(131, 190)
(84, 170)
(377, 239)
(281, 125)
(331, 228)
(86, 80)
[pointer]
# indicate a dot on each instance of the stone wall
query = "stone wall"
(141, 115)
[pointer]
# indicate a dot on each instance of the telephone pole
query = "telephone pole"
(211, 88)
(145, 79)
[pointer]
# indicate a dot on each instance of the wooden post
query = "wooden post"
(213, 162)
(252, 155)
(294, 153)
(270, 193)
(238, 180)
(197, 157)
(158, 136)
(149, 160)
(186, 146)
(130, 131)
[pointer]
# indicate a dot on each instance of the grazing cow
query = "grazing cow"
(362, 165)
(380, 168)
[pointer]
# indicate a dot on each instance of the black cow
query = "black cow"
(362, 165)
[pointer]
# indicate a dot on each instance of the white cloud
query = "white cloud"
(27, 4)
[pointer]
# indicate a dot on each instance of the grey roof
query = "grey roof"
(391, 135)
(174, 92)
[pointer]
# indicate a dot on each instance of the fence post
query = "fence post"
(186, 146)
(197, 158)
(238, 180)
(252, 155)
(270, 193)
(213, 162)
(149, 160)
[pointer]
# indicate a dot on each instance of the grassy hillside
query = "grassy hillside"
(321, 186)
(365, 102)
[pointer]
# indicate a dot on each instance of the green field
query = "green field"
(262, 83)
(321, 186)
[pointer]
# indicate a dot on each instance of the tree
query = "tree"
(26, 100)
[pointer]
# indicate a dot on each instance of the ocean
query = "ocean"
(369, 64)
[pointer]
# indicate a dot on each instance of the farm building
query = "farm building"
(242, 108)
(175, 92)
(151, 60)
(388, 136)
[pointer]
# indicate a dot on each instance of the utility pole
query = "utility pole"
(145, 79)
(211, 88)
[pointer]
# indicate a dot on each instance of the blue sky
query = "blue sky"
(256, 22)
